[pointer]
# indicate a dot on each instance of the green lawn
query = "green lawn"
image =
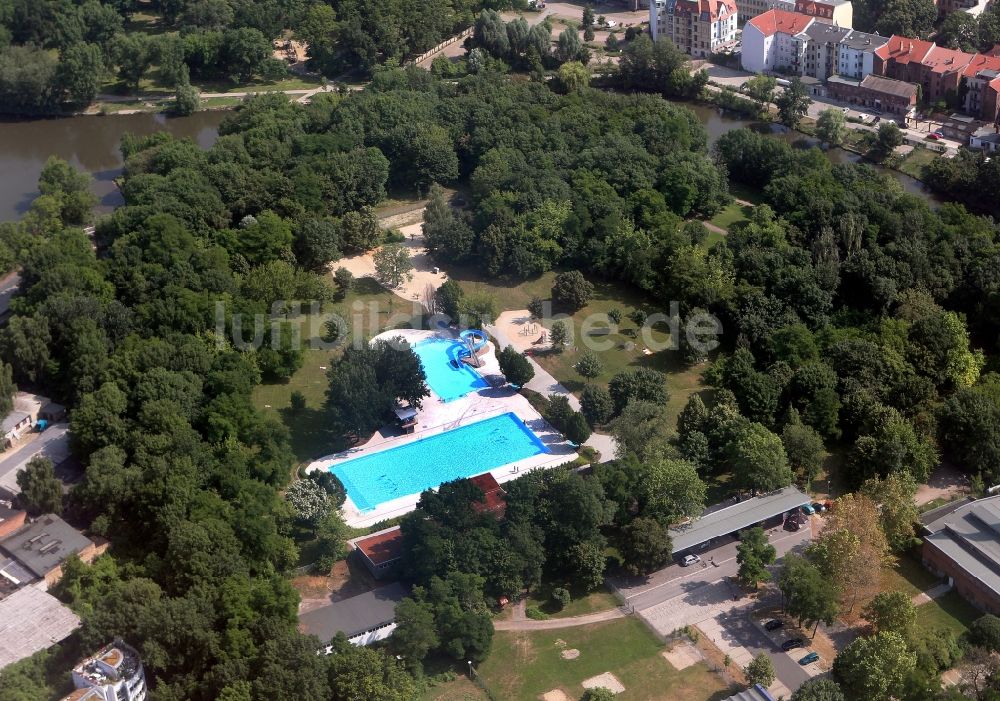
(731, 214)
(368, 309)
(908, 576)
(913, 164)
(593, 602)
(622, 350)
(459, 690)
(524, 665)
(950, 611)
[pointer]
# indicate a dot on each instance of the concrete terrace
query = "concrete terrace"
(436, 416)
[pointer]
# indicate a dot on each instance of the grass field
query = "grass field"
(950, 611)
(730, 214)
(593, 602)
(913, 164)
(368, 309)
(908, 576)
(523, 665)
(459, 690)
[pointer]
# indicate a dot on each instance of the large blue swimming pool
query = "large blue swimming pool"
(446, 380)
(411, 468)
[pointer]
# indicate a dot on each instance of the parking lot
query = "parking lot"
(704, 595)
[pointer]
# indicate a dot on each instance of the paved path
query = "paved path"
(556, 623)
(925, 597)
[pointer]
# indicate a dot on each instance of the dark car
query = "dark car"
(773, 624)
(791, 525)
(809, 659)
(792, 644)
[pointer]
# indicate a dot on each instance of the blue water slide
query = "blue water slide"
(477, 337)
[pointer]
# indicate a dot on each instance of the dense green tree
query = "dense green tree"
(41, 490)
(589, 365)
(571, 290)
(875, 667)
(645, 546)
(754, 554)
(760, 89)
(805, 450)
(448, 298)
(792, 103)
(393, 265)
(596, 404)
(818, 690)
(985, 632)
(558, 335)
(831, 126)
(636, 429)
(896, 497)
(515, 366)
(760, 670)
(808, 596)
(641, 384)
(891, 611)
(759, 461)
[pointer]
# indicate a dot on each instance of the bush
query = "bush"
(596, 405)
(561, 597)
(639, 384)
(515, 367)
(577, 429)
(985, 632)
(536, 614)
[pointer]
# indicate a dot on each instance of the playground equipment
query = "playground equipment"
(474, 340)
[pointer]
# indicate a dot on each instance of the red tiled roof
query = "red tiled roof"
(904, 49)
(382, 547)
(493, 500)
(941, 60)
(982, 62)
(775, 21)
(711, 8)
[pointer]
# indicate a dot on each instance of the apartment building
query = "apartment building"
(822, 50)
(982, 78)
(775, 41)
(856, 54)
(698, 27)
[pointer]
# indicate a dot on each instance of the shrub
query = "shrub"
(561, 597)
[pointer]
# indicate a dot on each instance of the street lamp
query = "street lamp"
(470, 668)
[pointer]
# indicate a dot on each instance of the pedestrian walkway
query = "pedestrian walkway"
(556, 623)
(931, 594)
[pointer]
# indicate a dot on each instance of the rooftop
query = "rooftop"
(888, 86)
(941, 60)
(821, 31)
(32, 620)
(754, 693)
(708, 9)
(774, 21)
(112, 663)
(12, 420)
(493, 495)
(43, 545)
(381, 547)
(863, 40)
(904, 49)
(983, 63)
(970, 537)
(355, 615)
(729, 519)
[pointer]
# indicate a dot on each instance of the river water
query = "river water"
(91, 143)
(87, 142)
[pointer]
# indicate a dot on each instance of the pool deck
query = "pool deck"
(437, 416)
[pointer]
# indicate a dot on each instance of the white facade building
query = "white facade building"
(856, 54)
(113, 674)
(698, 27)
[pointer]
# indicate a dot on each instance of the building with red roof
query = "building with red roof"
(698, 27)
(494, 501)
(775, 40)
(982, 78)
(380, 552)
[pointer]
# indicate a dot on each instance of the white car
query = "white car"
(610, 24)
(690, 560)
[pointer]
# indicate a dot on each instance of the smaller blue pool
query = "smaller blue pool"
(411, 468)
(447, 375)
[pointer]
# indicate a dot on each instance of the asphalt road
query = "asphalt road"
(52, 443)
(673, 581)
(786, 666)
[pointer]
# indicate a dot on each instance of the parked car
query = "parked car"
(791, 524)
(773, 624)
(809, 659)
(610, 24)
(819, 506)
(690, 560)
(808, 510)
(793, 643)
(846, 110)
(934, 136)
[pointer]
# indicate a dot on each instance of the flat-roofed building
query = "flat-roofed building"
(964, 546)
(364, 619)
(44, 544)
(728, 519)
(32, 620)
